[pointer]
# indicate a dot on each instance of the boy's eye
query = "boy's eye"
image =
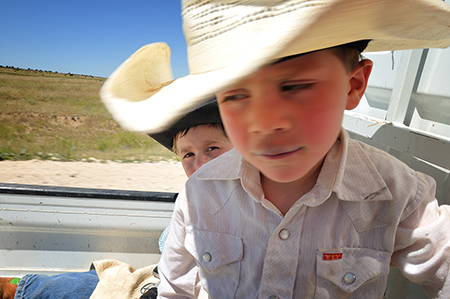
(188, 155)
(232, 97)
(293, 87)
(211, 148)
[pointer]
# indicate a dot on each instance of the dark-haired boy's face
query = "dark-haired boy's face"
(200, 145)
(284, 118)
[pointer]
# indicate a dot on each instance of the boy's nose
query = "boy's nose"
(269, 116)
(201, 159)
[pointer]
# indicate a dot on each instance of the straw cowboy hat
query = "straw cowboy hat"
(228, 40)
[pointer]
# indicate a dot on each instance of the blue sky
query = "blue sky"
(90, 37)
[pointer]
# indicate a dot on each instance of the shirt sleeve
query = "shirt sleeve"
(422, 247)
(177, 267)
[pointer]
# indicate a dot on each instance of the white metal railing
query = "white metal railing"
(53, 234)
(406, 112)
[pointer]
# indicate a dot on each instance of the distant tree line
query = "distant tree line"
(41, 71)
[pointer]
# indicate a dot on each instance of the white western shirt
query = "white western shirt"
(366, 211)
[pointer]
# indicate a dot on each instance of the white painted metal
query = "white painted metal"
(403, 85)
(45, 234)
(406, 112)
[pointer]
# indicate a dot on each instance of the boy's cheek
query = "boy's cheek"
(236, 134)
(232, 126)
(187, 167)
(236, 127)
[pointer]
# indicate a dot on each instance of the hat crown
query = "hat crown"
(222, 32)
(219, 32)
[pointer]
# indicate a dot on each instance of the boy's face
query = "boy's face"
(200, 145)
(284, 118)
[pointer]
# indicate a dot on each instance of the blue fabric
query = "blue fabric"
(68, 285)
(163, 238)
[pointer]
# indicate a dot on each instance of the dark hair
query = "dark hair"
(206, 113)
(183, 133)
(350, 54)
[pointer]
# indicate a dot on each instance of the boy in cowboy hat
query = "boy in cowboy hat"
(297, 209)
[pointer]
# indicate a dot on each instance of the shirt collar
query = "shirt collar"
(347, 171)
(232, 166)
(228, 166)
(357, 178)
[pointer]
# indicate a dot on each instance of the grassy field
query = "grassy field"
(48, 115)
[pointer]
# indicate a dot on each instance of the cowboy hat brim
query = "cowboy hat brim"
(207, 113)
(243, 39)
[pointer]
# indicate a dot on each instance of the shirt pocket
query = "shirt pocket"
(218, 257)
(351, 273)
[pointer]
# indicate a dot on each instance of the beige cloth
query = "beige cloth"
(120, 280)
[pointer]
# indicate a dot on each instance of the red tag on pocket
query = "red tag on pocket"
(332, 256)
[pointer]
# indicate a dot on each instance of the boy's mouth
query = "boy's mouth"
(278, 154)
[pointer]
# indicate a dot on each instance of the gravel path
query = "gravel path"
(160, 176)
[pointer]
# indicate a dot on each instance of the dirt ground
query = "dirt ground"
(160, 176)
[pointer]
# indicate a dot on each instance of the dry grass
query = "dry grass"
(60, 116)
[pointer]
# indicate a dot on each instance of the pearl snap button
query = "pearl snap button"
(349, 278)
(284, 234)
(207, 257)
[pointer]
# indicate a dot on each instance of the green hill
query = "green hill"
(50, 115)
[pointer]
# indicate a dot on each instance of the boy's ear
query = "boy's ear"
(358, 82)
